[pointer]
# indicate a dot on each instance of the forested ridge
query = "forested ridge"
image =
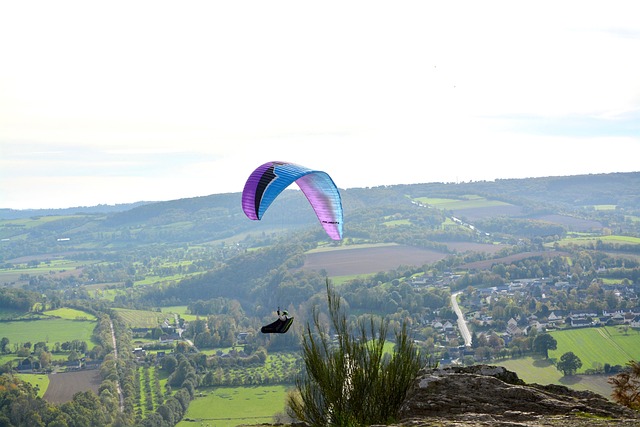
(219, 216)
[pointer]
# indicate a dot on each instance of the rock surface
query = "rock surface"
(485, 396)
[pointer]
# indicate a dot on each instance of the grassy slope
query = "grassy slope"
(594, 346)
(541, 371)
(231, 406)
(598, 345)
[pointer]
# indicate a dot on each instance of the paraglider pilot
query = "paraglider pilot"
(281, 325)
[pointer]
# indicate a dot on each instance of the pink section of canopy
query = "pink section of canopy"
(270, 179)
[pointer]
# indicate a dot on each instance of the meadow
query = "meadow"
(597, 346)
(20, 272)
(70, 314)
(232, 406)
(155, 280)
(49, 331)
(465, 202)
(182, 310)
(41, 381)
(152, 319)
(590, 240)
(143, 318)
(542, 371)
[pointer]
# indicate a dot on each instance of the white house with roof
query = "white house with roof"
(555, 319)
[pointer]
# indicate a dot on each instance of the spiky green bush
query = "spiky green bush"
(351, 381)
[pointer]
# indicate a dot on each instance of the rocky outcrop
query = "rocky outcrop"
(485, 395)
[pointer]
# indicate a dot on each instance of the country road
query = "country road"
(115, 358)
(462, 325)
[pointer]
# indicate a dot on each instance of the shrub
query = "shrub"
(352, 382)
(626, 386)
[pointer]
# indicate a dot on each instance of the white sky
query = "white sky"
(121, 101)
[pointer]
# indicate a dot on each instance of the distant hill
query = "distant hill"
(566, 191)
(535, 206)
(99, 209)
(578, 190)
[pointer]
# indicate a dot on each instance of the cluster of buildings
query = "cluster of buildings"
(477, 308)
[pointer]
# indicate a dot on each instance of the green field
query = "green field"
(592, 240)
(152, 319)
(594, 347)
(341, 280)
(231, 406)
(6, 358)
(604, 207)
(70, 314)
(14, 359)
(19, 271)
(598, 345)
(540, 371)
(106, 291)
(143, 318)
(48, 330)
(465, 202)
(37, 380)
(181, 310)
(152, 280)
(35, 221)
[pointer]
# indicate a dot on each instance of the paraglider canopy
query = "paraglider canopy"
(270, 179)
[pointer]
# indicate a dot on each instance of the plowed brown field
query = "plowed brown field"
(371, 260)
(64, 385)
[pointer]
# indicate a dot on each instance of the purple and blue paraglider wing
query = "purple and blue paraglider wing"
(270, 179)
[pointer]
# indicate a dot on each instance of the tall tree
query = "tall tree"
(543, 343)
(569, 363)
